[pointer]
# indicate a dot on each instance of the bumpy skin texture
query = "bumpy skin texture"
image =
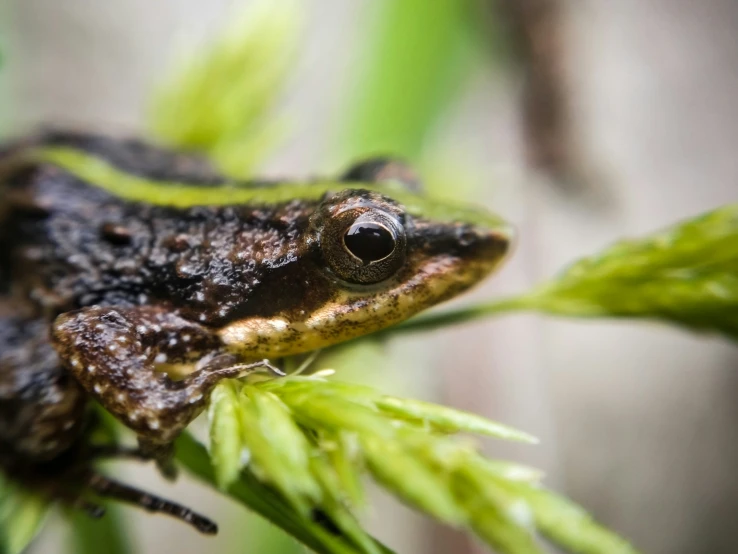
(99, 294)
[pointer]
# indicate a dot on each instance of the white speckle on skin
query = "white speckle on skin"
(186, 338)
(100, 327)
(278, 324)
(91, 369)
(156, 328)
(172, 342)
(141, 329)
(113, 347)
(160, 358)
(202, 317)
(120, 397)
(98, 388)
(195, 398)
(200, 297)
(75, 362)
(153, 424)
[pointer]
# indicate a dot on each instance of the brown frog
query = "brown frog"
(123, 265)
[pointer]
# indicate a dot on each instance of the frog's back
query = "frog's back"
(66, 242)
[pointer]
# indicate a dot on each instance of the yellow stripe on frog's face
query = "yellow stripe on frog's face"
(351, 313)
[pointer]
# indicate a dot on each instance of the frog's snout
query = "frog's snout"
(484, 244)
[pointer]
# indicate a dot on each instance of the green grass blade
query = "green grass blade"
(686, 274)
(22, 515)
(411, 479)
(406, 446)
(570, 526)
(502, 520)
(279, 451)
(225, 434)
(449, 420)
(109, 533)
(264, 500)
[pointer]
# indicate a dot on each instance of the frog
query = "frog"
(137, 277)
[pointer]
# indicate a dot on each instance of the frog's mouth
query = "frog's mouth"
(442, 262)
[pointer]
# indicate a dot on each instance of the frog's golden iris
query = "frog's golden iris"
(364, 244)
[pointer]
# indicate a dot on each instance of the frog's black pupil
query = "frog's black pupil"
(369, 241)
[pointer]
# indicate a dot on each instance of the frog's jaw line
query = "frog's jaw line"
(350, 315)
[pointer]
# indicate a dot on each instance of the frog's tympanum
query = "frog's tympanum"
(123, 265)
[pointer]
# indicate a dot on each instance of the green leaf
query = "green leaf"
(279, 450)
(686, 275)
(220, 101)
(226, 449)
(503, 520)
(569, 525)
(448, 420)
(261, 536)
(21, 517)
(334, 504)
(266, 501)
(88, 535)
(310, 438)
(346, 459)
(508, 471)
(411, 479)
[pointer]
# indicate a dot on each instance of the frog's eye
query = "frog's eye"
(364, 246)
(370, 242)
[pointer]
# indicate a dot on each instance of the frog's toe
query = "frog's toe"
(167, 469)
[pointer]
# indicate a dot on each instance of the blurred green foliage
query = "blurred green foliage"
(21, 516)
(415, 59)
(221, 100)
(88, 535)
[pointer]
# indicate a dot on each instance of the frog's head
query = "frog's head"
(368, 261)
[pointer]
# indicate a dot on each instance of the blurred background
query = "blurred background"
(580, 122)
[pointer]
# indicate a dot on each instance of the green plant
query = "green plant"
(295, 450)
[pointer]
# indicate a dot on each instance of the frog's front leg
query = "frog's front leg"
(113, 353)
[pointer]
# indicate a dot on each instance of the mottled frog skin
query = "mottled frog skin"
(140, 278)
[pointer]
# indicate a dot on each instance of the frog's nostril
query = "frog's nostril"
(467, 236)
(487, 244)
(483, 238)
